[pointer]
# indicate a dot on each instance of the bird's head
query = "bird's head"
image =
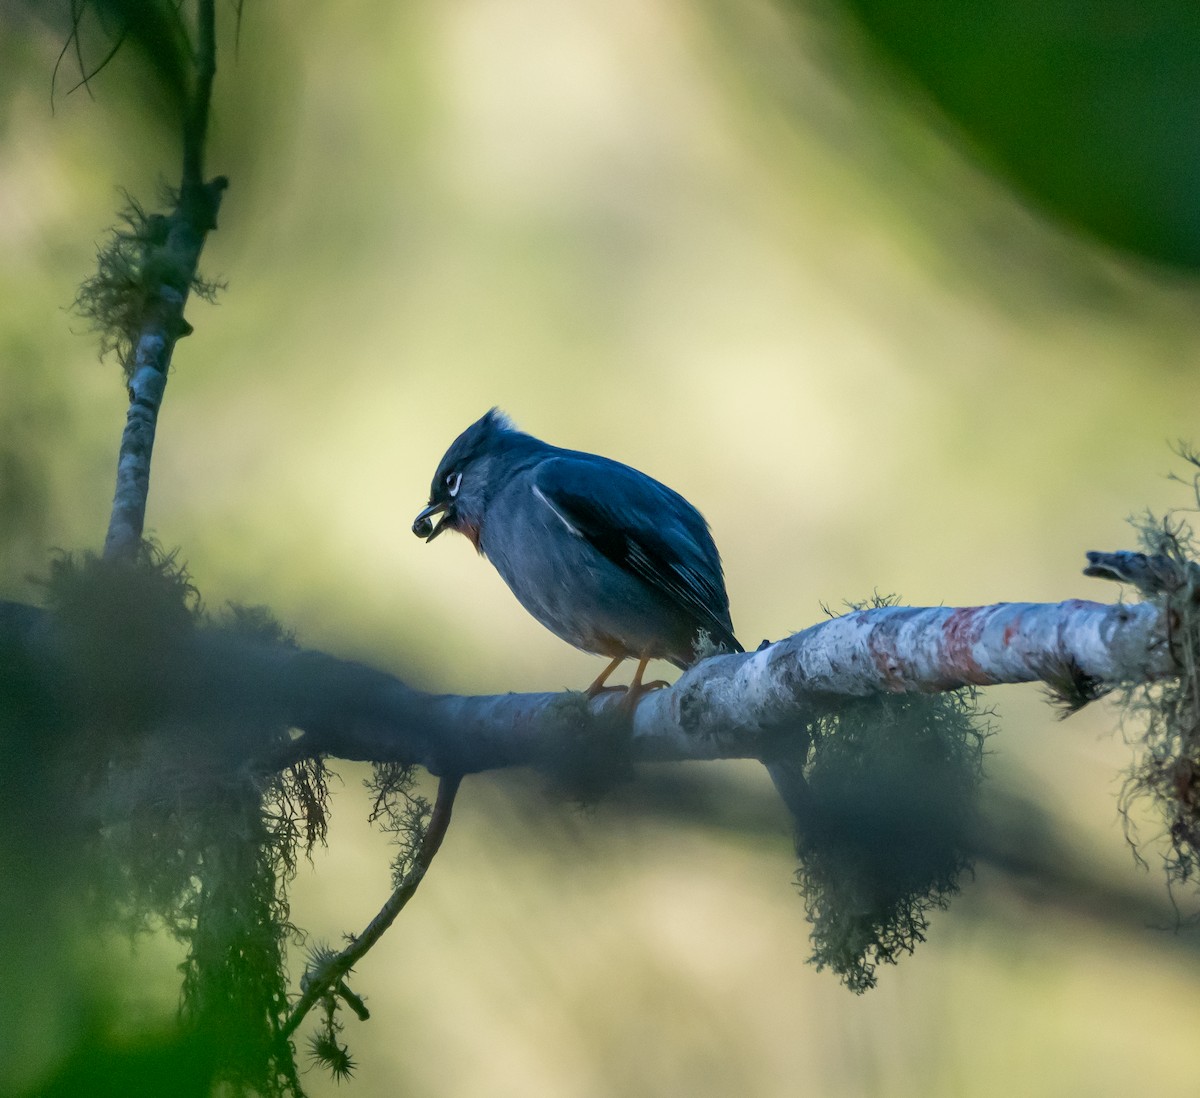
(465, 478)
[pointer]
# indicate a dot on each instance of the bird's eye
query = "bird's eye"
(453, 483)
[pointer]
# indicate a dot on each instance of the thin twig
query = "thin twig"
(195, 126)
(77, 8)
(327, 978)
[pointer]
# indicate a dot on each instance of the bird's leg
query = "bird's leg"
(637, 688)
(598, 686)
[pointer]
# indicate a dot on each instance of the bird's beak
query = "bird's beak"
(423, 528)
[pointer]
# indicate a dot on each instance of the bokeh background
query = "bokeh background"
(903, 297)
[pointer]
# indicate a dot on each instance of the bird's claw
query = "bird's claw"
(595, 691)
(635, 691)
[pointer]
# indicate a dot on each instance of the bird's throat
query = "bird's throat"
(469, 530)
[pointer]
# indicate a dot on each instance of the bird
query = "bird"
(604, 556)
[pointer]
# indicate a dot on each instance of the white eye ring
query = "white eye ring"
(454, 482)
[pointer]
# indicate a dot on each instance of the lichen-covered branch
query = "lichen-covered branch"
(729, 706)
(167, 268)
(878, 766)
(1070, 646)
(137, 297)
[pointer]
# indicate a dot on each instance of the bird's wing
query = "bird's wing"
(644, 527)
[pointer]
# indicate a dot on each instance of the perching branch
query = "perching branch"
(732, 706)
(123, 658)
(729, 706)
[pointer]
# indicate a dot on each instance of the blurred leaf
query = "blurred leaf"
(1089, 109)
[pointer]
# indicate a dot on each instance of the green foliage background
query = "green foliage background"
(736, 245)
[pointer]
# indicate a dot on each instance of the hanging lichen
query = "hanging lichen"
(1162, 718)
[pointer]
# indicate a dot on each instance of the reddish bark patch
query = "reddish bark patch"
(881, 643)
(960, 635)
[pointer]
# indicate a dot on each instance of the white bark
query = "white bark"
(902, 648)
(162, 326)
(725, 707)
(146, 388)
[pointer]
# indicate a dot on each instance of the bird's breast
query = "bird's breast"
(573, 589)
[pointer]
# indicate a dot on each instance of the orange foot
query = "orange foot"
(598, 686)
(633, 692)
(638, 689)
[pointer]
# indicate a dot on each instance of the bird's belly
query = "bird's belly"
(591, 603)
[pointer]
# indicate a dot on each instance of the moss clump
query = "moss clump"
(1166, 772)
(185, 813)
(135, 267)
(588, 754)
(885, 813)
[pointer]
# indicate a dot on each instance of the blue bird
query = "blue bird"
(605, 557)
